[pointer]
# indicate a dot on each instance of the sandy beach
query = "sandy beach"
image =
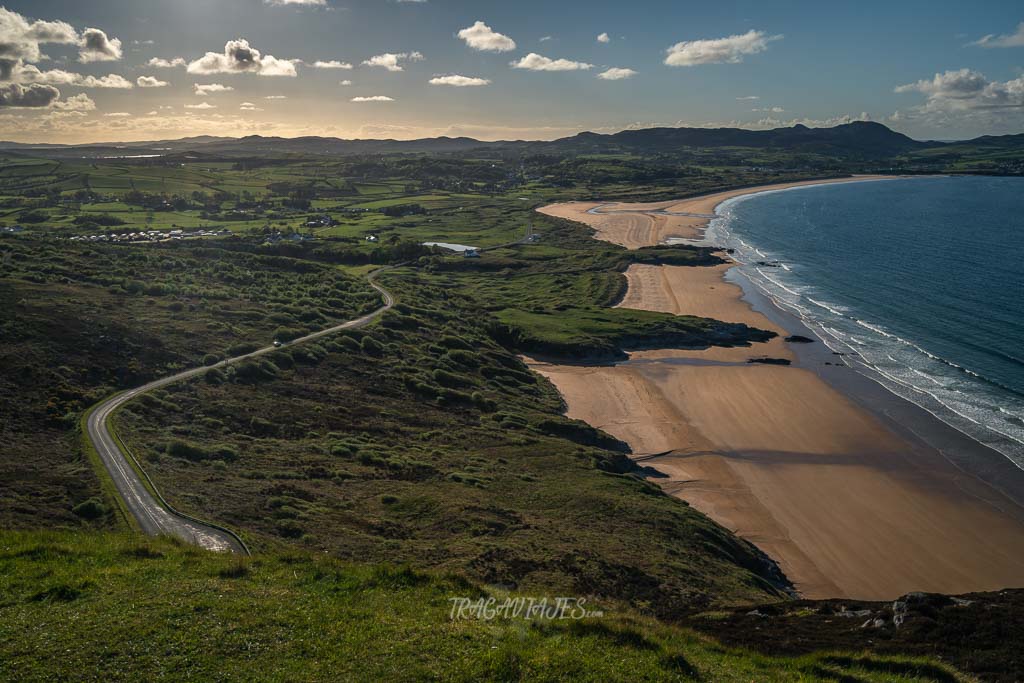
(848, 505)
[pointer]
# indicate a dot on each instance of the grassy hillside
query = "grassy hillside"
(82, 321)
(109, 607)
(424, 440)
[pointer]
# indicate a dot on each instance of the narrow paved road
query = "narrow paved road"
(155, 517)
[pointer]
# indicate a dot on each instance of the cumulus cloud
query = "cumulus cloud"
(604, 38)
(33, 95)
(205, 89)
(160, 63)
(769, 122)
(95, 46)
(481, 37)
(746, 98)
(458, 81)
(961, 84)
(393, 61)
(30, 73)
(536, 62)
(76, 103)
(109, 81)
(150, 82)
(20, 39)
(331, 64)
(616, 74)
(965, 93)
(307, 3)
(374, 98)
(117, 114)
(276, 97)
(201, 105)
(240, 57)
(770, 110)
(345, 82)
(730, 50)
(248, 106)
(1015, 39)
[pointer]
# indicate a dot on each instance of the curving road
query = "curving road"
(155, 516)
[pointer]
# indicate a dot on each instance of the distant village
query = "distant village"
(147, 235)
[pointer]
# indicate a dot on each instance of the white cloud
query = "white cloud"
(481, 37)
(248, 106)
(332, 64)
(373, 98)
(769, 122)
(29, 73)
(306, 3)
(159, 63)
(616, 74)
(240, 57)
(960, 84)
(201, 105)
(747, 98)
(965, 94)
(1015, 39)
(276, 97)
(95, 46)
(604, 38)
(20, 39)
(345, 82)
(392, 61)
(117, 114)
(33, 95)
(80, 102)
(730, 50)
(108, 81)
(536, 62)
(770, 110)
(204, 89)
(544, 39)
(458, 81)
(150, 82)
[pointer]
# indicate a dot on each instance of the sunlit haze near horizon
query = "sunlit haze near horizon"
(125, 70)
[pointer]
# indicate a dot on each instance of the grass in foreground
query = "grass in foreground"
(111, 607)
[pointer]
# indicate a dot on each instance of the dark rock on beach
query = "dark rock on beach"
(770, 361)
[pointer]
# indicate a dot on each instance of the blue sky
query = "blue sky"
(924, 68)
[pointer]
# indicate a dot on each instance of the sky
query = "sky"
(120, 70)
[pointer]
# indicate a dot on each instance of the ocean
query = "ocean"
(919, 281)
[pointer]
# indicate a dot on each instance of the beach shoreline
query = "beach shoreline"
(855, 491)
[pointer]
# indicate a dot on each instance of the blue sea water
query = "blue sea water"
(920, 280)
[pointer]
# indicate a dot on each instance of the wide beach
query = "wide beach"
(843, 496)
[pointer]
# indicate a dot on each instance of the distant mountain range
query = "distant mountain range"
(863, 139)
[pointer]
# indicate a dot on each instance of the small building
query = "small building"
(470, 253)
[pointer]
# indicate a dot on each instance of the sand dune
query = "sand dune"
(845, 505)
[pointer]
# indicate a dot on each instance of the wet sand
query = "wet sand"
(847, 503)
(633, 230)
